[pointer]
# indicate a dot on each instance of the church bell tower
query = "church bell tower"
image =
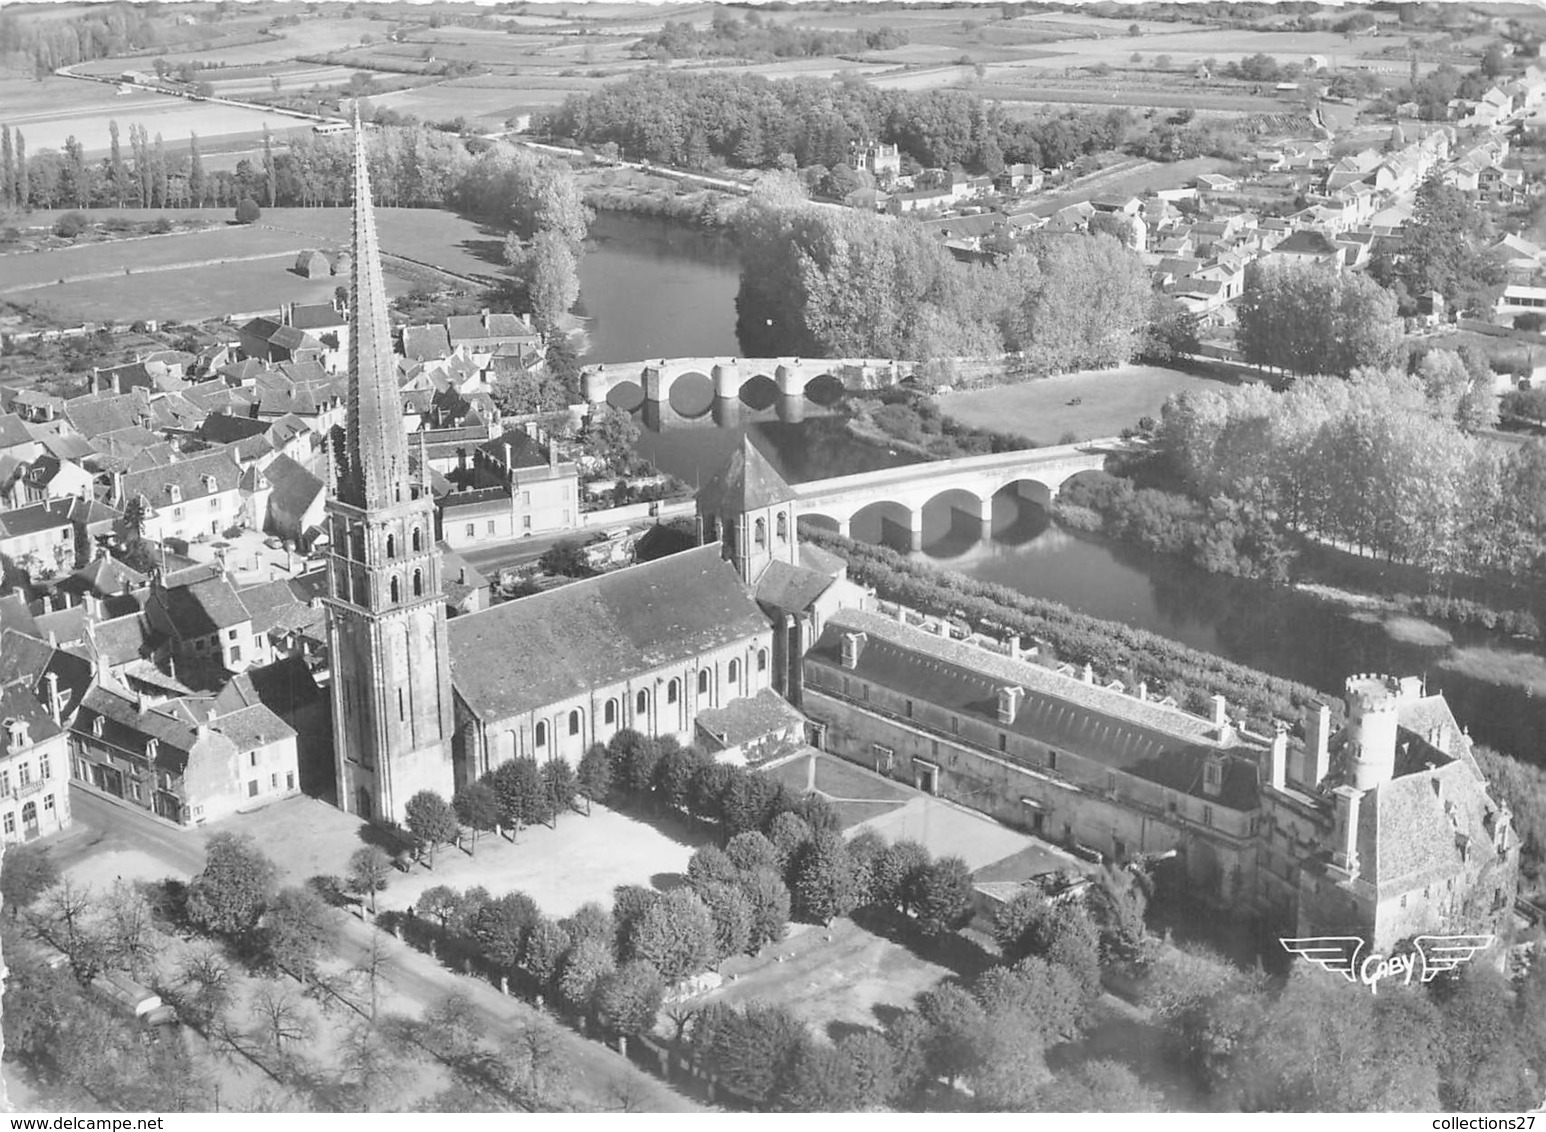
(391, 678)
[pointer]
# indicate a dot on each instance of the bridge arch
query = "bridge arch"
(958, 507)
(691, 393)
(888, 522)
(625, 395)
(825, 389)
(1033, 489)
(759, 392)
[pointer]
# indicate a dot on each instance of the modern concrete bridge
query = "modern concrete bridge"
(790, 376)
(1036, 474)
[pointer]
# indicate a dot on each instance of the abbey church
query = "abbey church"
(1386, 828)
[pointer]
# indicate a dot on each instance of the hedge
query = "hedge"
(1191, 676)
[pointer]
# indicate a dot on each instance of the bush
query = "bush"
(247, 211)
(70, 225)
(160, 226)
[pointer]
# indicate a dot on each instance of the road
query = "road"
(599, 1075)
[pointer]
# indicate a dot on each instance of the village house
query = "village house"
(179, 759)
(190, 499)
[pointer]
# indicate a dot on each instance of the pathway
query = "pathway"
(107, 835)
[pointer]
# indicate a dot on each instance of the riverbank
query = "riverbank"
(643, 194)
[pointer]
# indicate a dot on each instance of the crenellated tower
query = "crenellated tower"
(391, 678)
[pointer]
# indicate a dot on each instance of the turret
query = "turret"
(1370, 750)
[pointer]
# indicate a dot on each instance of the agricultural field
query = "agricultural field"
(51, 111)
(172, 278)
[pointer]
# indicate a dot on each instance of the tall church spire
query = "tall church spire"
(374, 468)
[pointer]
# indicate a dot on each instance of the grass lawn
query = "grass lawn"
(189, 294)
(1112, 399)
(857, 794)
(838, 974)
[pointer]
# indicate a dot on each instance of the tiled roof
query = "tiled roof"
(13, 431)
(96, 414)
(748, 482)
(17, 701)
(1140, 737)
(203, 608)
(284, 604)
(791, 588)
(525, 452)
(536, 650)
(34, 518)
(423, 343)
(252, 727)
(748, 718)
(294, 488)
(1411, 827)
(188, 476)
(122, 639)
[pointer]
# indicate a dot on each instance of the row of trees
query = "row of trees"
(751, 38)
(1380, 462)
(699, 118)
(1191, 676)
(1308, 318)
(844, 283)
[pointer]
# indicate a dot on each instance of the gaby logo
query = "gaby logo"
(1430, 955)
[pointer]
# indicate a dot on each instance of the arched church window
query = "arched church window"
(397, 593)
(672, 692)
(574, 722)
(762, 660)
(783, 527)
(609, 713)
(416, 541)
(733, 672)
(761, 532)
(418, 583)
(703, 681)
(542, 733)
(391, 546)
(642, 703)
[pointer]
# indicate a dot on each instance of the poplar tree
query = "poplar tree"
(22, 188)
(115, 163)
(196, 181)
(7, 168)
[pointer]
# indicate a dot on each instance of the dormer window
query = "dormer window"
(96, 726)
(174, 493)
(1009, 703)
(15, 735)
(1213, 777)
(209, 483)
(152, 746)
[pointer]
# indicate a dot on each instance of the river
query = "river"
(659, 288)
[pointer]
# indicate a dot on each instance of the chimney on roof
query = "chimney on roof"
(142, 705)
(1143, 691)
(463, 578)
(1088, 675)
(1220, 711)
(1009, 703)
(552, 453)
(853, 645)
(1278, 756)
(48, 603)
(55, 700)
(1012, 644)
(1345, 856)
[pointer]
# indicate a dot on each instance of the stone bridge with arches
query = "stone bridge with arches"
(620, 383)
(970, 483)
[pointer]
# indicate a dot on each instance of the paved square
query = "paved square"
(948, 830)
(582, 859)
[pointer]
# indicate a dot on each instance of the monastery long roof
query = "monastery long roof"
(1140, 737)
(541, 649)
